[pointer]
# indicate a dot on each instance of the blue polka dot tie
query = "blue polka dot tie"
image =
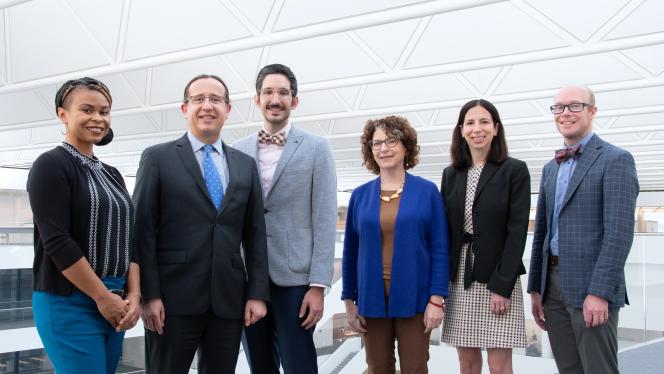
(211, 175)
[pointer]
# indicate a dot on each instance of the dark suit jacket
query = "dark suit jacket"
(595, 225)
(500, 221)
(191, 254)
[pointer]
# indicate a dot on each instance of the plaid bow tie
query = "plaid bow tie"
(265, 137)
(563, 154)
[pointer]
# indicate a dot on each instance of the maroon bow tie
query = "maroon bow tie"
(265, 137)
(563, 154)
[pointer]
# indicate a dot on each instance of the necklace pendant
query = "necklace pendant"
(386, 198)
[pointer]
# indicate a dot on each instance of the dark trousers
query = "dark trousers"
(279, 338)
(578, 349)
(216, 340)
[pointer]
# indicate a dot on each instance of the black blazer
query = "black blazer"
(500, 221)
(191, 254)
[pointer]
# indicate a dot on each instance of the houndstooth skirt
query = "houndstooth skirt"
(468, 319)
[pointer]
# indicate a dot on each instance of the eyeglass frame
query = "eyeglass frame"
(206, 98)
(378, 144)
(280, 92)
(583, 106)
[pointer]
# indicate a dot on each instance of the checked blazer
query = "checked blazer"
(595, 225)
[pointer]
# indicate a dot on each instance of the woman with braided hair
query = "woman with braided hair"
(86, 274)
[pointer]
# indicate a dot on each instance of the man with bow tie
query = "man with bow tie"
(297, 174)
(584, 227)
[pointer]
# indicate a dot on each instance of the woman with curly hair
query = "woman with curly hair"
(395, 266)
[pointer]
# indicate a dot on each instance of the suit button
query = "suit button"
(476, 235)
(217, 225)
(475, 213)
(266, 211)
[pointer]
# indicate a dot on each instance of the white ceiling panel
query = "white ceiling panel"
(412, 91)
(317, 102)
(156, 27)
(483, 78)
(646, 19)
(136, 124)
(48, 134)
(517, 109)
(22, 107)
(565, 71)
(175, 121)
(297, 13)
(137, 79)
(124, 96)
(245, 64)
(323, 58)
(15, 138)
(447, 116)
(573, 17)
(650, 58)
(62, 47)
(256, 11)
(630, 98)
(639, 120)
(102, 19)
(168, 81)
(389, 41)
(3, 57)
(349, 94)
(353, 61)
(241, 109)
(464, 35)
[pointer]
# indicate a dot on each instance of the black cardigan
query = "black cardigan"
(500, 221)
(81, 208)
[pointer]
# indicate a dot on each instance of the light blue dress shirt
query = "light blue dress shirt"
(218, 158)
(565, 172)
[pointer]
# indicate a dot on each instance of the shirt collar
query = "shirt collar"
(286, 130)
(583, 141)
(197, 144)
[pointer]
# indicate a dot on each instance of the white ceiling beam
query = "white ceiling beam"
(496, 99)
(10, 3)
(258, 41)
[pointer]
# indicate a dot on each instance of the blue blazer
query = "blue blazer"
(595, 225)
(420, 265)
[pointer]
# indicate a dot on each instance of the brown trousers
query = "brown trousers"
(413, 345)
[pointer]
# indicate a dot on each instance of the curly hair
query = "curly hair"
(396, 127)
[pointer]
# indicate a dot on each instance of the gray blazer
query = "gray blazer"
(300, 210)
(595, 225)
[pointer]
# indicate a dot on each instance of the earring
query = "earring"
(64, 132)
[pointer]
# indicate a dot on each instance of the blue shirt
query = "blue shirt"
(565, 172)
(218, 157)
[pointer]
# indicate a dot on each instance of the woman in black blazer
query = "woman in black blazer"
(487, 201)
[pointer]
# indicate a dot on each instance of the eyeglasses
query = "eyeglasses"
(268, 92)
(573, 107)
(200, 99)
(389, 142)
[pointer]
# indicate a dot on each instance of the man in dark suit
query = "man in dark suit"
(198, 202)
(584, 227)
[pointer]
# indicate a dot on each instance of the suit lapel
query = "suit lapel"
(233, 171)
(488, 172)
(589, 155)
(252, 150)
(292, 144)
(461, 185)
(550, 189)
(186, 153)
